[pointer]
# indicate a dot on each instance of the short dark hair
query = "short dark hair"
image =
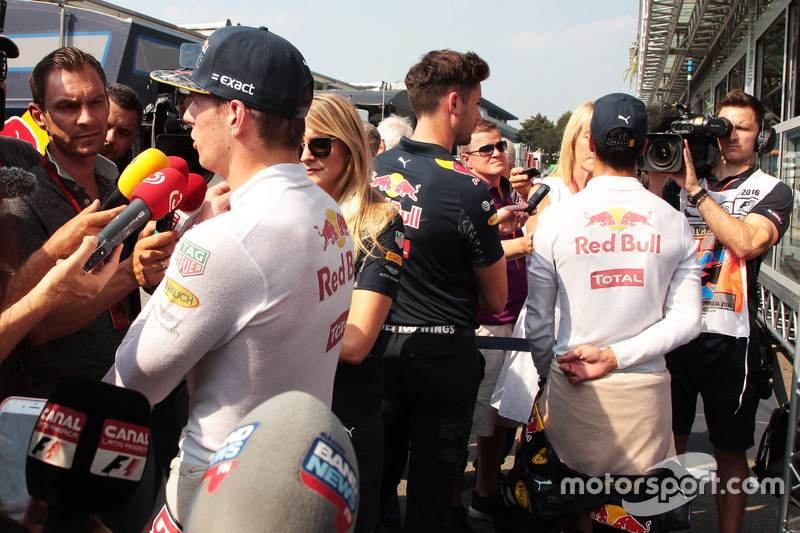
(440, 72)
(275, 130)
(67, 58)
(739, 98)
(126, 98)
(618, 157)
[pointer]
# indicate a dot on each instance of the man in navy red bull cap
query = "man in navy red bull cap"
(255, 299)
(626, 293)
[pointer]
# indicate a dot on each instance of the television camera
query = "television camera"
(664, 152)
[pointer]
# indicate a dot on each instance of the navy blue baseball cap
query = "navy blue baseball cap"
(262, 70)
(619, 110)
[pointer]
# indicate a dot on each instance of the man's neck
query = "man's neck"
(726, 169)
(434, 130)
(601, 169)
(492, 180)
(246, 162)
(81, 169)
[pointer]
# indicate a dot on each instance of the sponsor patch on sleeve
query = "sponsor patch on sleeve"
(191, 259)
(493, 220)
(180, 295)
(327, 472)
(393, 257)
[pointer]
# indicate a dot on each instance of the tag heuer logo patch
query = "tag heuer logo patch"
(191, 259)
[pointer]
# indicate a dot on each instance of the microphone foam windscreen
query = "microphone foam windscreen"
(89, 446)
(16, 182)
(289, 467)
(196, 188)
(162, 191)
(145, 164)
(179, 163)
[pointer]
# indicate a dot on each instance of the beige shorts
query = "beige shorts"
(486, 418)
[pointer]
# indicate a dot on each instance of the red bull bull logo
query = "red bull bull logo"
(334, 229)
(617, 218)
(395, 185)
(618, 518)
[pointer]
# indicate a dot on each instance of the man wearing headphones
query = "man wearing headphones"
(737, 213)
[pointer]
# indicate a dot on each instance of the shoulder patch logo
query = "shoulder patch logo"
(455, 166)
(493, 220)
(191, 259)
(180, 295)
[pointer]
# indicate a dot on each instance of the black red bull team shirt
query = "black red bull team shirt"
(450, 227)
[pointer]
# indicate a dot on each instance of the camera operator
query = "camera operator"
(737, 213)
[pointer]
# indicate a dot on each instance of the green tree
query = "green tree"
(539, 134)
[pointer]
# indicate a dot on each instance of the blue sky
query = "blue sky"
(545, 56)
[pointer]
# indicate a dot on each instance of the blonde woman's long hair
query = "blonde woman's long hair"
(580, 118)
(364, 210)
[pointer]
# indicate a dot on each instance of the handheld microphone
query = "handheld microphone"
(289, 466)
(16, 182)
(152, 199)
(143, 165)
(87, 452)
(196, 188)
(179, 163)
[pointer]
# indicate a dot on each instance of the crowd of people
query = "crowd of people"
(360, 265)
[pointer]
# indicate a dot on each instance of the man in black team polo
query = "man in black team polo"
(453, 266)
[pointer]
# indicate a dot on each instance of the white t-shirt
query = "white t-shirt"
(624, 267)
(254, 303)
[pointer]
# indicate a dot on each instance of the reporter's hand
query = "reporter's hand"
(151, 254)
(68, 237)
(218, 200)
(686, 178)
(511, 218)
(67, 283)
(520, 182)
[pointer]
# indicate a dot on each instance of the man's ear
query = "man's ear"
(236, 114)
(37, 115)
(465, 159)
(454, 103)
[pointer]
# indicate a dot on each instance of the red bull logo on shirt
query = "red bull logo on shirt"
(334, 229)
(617, 218)
(395, 185)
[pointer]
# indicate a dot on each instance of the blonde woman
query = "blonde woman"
(337, 158)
